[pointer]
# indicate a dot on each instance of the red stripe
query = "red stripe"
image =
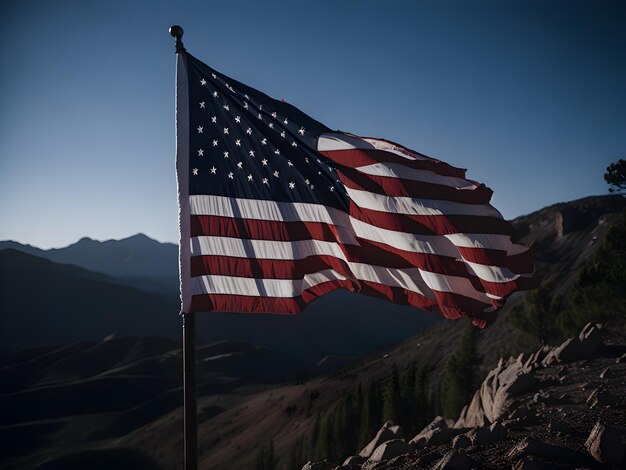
(431, 224)
(261, 229)
(397, 187)
(361, 157)
(450, 305)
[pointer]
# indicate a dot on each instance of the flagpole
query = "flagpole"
(190, 439)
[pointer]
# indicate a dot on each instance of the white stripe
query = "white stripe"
(263, 249)
(415, 206)
(414, 279)
(492, 273)
(212, 284)
(480, 240)
(347, 228)
(453, 284)
(398, 170)
(331, 141)
(409, 279)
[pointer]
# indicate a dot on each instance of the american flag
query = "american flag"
(276, 210)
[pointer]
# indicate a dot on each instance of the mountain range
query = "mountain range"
(93, 289)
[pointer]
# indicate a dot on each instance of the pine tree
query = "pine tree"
(391, 398)
(459, 374)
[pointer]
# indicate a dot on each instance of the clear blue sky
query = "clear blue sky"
(530, 96)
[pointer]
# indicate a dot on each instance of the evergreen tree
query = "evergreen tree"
(536, 318)
(408, 396)
(459, 374)
(370, 421)
(265, 459)
(391, 398)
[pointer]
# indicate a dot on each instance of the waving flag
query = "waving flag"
(276, 210)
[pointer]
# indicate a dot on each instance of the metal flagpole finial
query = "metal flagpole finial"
(177, 32)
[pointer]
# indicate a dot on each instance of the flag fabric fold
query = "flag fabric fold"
(276, 210)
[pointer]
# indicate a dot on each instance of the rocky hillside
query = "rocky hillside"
(560, 407)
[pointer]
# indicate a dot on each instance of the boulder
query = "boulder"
(607, 373)
(390, 449)
(436, 433)
(530, 463)
(322, 465)
(485, 435)
(601, 397)
(531, 446)
(496, 393)
(589, 341)
(462, 441)
(605, 444)
(473, 414)
(456, 460)
(354, 460)
(387, 432)
(559, 427)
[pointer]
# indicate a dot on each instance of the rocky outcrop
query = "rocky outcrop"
(386, 433)
(605, 445)
(534, 411)
(390, 449)
(496, 393)
(436, 433)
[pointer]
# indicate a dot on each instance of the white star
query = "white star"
(265, 181)
(274, 114)
(199, 130)
(226, 107)
(276, 174)
(225, 154)
(214, 76)
(237, 119)
(332, 188)
(271, 124)
(215, 94)
(213, 170)
(214, 119)
(226, 130)
(249, 177)
(277, 152)
(282, 134)
(306, 159)
(260, 116)
(264, 161)
(215, 143)
(301, 131)
(293, 144)
(312, 186)
(230, 175)
(238, 143)
(286, 121)
(240, 165)
(261, 108)
(307, 182)
(201, 152)
(251, 152)
(203, 82)
(264, 141)
(289, 163)
(195, 172)
(292, 185)
(202, 104)
(246, 96)
(249, 131)
(245, 105)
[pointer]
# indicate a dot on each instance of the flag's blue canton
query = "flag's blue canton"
(245, 144)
